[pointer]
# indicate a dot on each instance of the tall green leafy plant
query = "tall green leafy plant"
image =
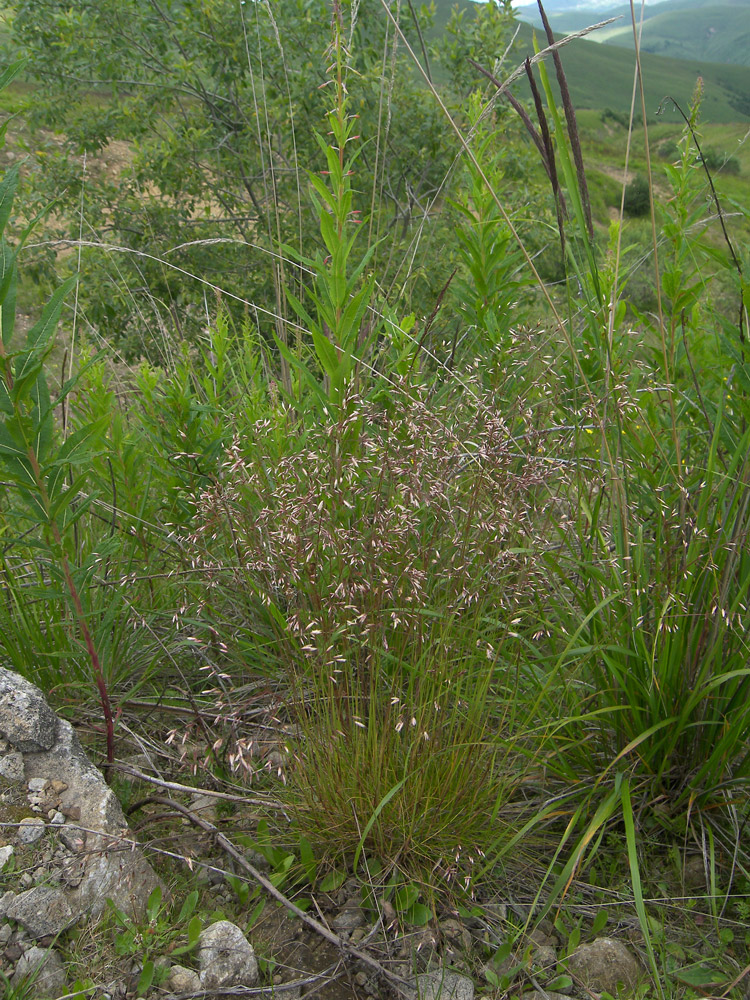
(489, 289)
(341, 291)
(45, 472)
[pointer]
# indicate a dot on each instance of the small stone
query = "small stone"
(604, 964)
(204, 806)
(348, 918)
(443, 985)
(72, 812)
(58, 787)
(6, 853)
(544, 957)
(11, 767)
(495, 911)
(46, 968)
(56, 818)
(27, 880)
(72, 837)
(162, 964)
(13, 952)
(30, 829)
(182, 980)
(5, 932)
(5, 900)
(37, 784)
(536, 995)
(226, 957)
(455, 931)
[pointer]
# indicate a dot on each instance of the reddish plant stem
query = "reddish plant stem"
(80, 616)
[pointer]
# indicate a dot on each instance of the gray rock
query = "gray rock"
(442, 985)
(204, 806)
(72, 836)
(604, 964)
(348, 918)
(26, 720)
(694, 874)
(42, 910)
(6, 853)
(457, 932)
(547, 995)
(544, 957)
(226, 957)
(115, 867)
(5, 900)
(11, 767)
(62, 782)
(46, 969)
(5, 932)
(182, 980)
(30, 829)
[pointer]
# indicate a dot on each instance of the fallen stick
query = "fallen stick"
(344, 947)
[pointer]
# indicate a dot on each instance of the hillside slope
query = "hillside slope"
(678, 29)
(601, 76)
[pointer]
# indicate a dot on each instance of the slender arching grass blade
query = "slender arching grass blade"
(373, 819)
(635, 876)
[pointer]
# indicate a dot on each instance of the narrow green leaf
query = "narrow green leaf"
(146, 977)
(373, 819)
(599, 923)
(41, 334)
(42, 416)
(188, 907)
(635, 877)
(8, 75)
(418, 915)
(255, 914)
(8, 187)
(8, 292)
(559, 983)
(326, 352)
(307, 859)
(77, 448)
(194, 930)
(698, 975)
(333, 881)
(405, 897)
(153, 904)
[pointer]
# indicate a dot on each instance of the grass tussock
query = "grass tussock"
(471, 546)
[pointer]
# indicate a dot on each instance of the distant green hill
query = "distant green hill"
(679, 29)
(601, 76)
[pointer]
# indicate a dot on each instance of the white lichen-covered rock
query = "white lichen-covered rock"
(606, 965)
(26, 720)
(43, 970)
(226, 957)
(42, 911)
(61, 783)
(442, 985)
